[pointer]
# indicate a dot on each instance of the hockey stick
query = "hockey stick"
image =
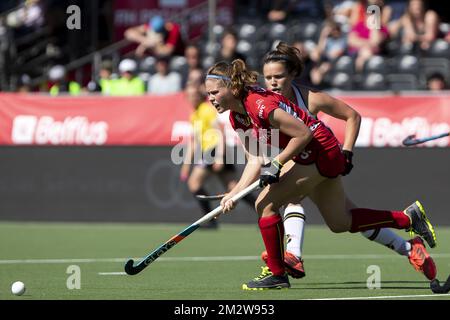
(208, 198)
(436, 287)
(412, 141)
(132, 269)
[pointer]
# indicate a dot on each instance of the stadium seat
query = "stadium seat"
(304, 31)
(395, 48)
(401, 82)
(208, 62)
(145, 76)
(344, 64)
(218, 31)
(405, 64)
(210, 48)
(374, 82)
(147, 65)
(375, 64)
(245, 47)
(341, 81)
(439, 48)
(278, 31)
(444, 28)
(247, 32)
(178, 64)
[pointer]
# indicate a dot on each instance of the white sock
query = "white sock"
(390, 239)
(294, 225)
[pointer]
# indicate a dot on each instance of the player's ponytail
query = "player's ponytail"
(289, 55)
(234, 75)
(241, 78)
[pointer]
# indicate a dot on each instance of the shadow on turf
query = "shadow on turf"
(363, 285)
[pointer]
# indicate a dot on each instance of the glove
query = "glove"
(270, 173)
(348, 161)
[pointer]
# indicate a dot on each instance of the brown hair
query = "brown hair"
(238, 74)
(288, 55)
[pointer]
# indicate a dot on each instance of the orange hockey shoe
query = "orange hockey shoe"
(420, 259)
(294, 266)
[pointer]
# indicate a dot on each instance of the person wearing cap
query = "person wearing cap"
(160, 37)
(128, 84)
(58, 76)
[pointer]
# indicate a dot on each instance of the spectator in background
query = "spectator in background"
(436, 82)
(332, 45)
(279, 11)
(365, 42)
(58, 76)
(417, 25)
(105, 81)
(27, 18)
(228, 51)
(359, 11)
(193, 62)
(160, 37)
(164, 81)
(128, 84)
(196, 77)
(339, 11)
(24, 83)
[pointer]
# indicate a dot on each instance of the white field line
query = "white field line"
(216, 258)
(386, 297)
(112, 273)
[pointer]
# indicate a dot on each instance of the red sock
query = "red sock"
(368, 219)
(272, 231)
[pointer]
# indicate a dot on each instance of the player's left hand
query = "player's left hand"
(227, 204)
(348, 161)
(270, 173)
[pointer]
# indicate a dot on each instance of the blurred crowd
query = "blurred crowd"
(350, 39)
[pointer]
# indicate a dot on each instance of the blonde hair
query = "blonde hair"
(234, 75)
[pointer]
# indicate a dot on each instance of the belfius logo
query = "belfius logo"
(30, 129)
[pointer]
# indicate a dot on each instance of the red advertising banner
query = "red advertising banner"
(387, 120)
(164, 120)
(45, 120)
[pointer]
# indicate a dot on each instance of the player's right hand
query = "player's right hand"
(227, 204)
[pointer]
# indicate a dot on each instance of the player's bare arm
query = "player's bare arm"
(322, 102)
(300, 133)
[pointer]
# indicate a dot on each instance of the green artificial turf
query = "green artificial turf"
(336, 264)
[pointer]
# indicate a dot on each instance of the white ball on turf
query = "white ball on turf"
(18, 288)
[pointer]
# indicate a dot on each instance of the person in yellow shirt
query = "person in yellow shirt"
(61, 85)
(128, 84)
(206, 150)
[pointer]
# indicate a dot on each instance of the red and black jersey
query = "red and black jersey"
(259, 103)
